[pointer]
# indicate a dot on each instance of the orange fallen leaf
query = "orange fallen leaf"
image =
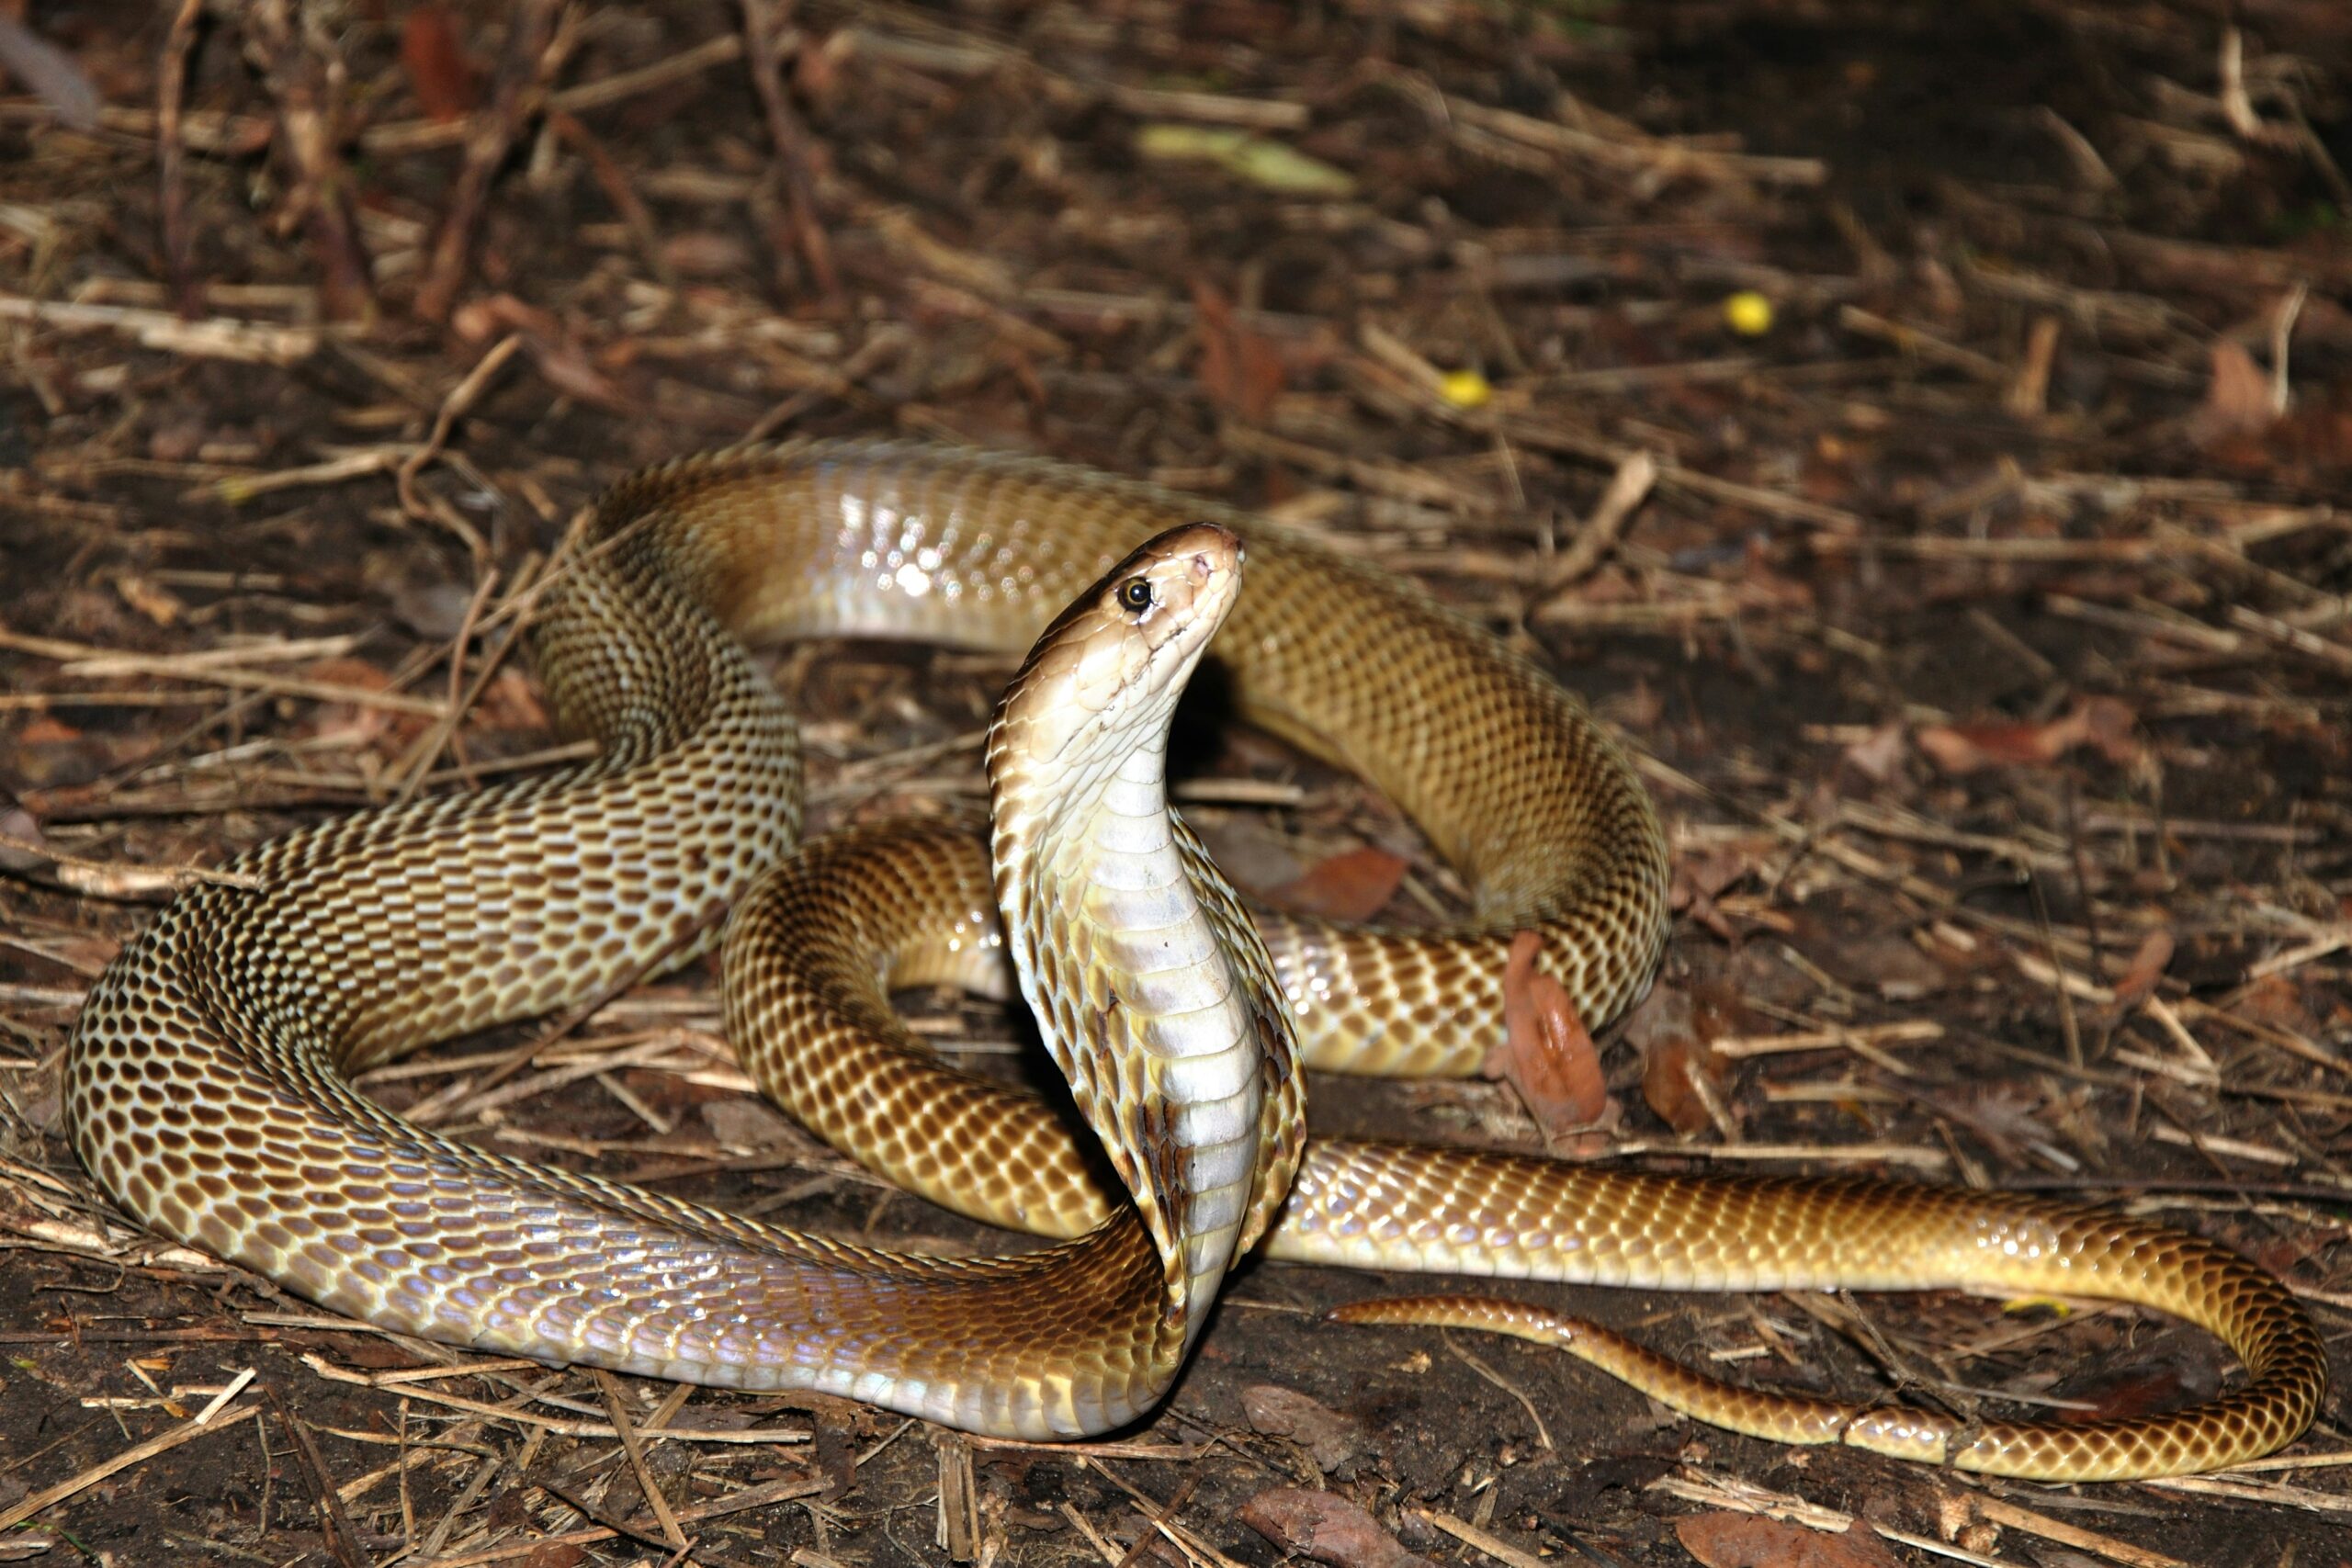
(1352, 886)
(2277, 1000)
(1547, 1054)
(2237, 398)
(1751, 1540)
(1240, 370)
(434, 58)
(356, 673)
(2104, 723)
(46, 730)
(2139, 981)
(1680, 1073)
(561, 362)
(510, 703)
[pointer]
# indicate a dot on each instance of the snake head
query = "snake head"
(1104, 679)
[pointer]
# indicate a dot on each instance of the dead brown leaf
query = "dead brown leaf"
(2105, 723)
(562, 362)
(1879, 754)
(2139, 981)
(2125, 1393)
(47, 730)
(1240, 370)
(746, 1124)
(2277, 1000)
(1700, 877)
(1352, 886)
(1326, 1526)
(443, 79)
(350, 724)
(509, 701)
(1855, 943)
(1547, 1054)
(1330, 1439)
(1680, 1073)
(1751, 1540)
(2237, 398)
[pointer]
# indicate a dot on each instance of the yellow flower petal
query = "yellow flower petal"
(1465, 389)
(1749, 313)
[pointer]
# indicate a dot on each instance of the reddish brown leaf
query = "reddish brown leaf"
(1240, 370)
(1678, 1072)
(2107, 724)
(1751, 1540)
(2101, 722)
(1354, 885)
(2277, 1000)
(2237, 398)
(510, 703)
(562, 362)
(1327, 1528)
(434, 58)
(2127, 1392)
(2139, 982)
(46, 730)
(1547, 1054)
(356, 673)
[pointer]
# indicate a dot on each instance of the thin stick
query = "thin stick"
(124, 879)
(530, 60)
(170, 92)
(761, 25)
(616, 1404)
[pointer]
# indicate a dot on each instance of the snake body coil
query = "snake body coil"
(206, 1078)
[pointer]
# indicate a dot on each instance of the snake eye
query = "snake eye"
(1136, 594)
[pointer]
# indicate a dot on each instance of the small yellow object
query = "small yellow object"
(1749, 313)
(1465, 389)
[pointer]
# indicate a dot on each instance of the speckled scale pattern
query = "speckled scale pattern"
(811, 984)
(1717, 1233)
(205, 1077)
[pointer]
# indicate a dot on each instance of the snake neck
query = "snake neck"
(1152, 1028)
(1137, 998)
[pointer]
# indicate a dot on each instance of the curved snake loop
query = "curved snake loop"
(206, 1078)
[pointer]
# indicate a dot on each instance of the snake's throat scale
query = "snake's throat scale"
(206, 1078)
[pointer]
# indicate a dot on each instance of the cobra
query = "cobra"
(207, 1076)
